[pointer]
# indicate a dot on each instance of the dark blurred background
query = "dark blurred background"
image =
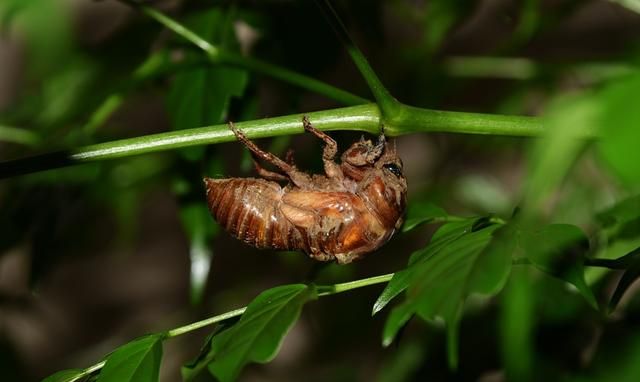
(95, 255)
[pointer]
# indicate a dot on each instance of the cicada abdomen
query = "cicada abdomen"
(247, 208)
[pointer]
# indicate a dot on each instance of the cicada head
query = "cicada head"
(378, 170)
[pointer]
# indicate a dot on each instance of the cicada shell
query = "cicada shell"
(351, 210)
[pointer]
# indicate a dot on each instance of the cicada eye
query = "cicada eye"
(395, 170)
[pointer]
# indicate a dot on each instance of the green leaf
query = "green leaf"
(398, 317)
(630, 275)
(422, 212)
(558, 249)
(398, 283)
(567, 122)
(191, 369)
(201, 96)
(196, 221)
(138, 360)
(546, 245)
(439, 284)
(619, 131)
(259, 333)
(445, 235)
(492, 268)
(70, 375)
(458, 262)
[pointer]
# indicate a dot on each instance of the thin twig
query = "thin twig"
(325, 290)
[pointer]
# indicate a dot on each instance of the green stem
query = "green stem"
(294, 78)
(175, 27)
(605, 263)
(388, 104)
(414, 120)
(356, 118)
(324, 290)
(86, 372)
(623, 262)
(206, 322)
(361, 118)
(328, 290)
(220, 56)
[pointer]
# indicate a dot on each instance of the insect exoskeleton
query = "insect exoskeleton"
(247, 208)
(351, 210)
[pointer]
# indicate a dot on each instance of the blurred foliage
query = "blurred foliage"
(618, 126)
(518, 259)
(201, 97)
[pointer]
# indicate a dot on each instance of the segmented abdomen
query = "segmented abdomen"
(249, 210)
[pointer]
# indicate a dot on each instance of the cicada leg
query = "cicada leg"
(331, 168)
(266, 174)
(298, 178)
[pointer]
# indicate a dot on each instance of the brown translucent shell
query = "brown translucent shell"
(351, 210)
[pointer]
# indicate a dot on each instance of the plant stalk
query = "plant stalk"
(389, 105)
(364, 118)
(325, 290)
